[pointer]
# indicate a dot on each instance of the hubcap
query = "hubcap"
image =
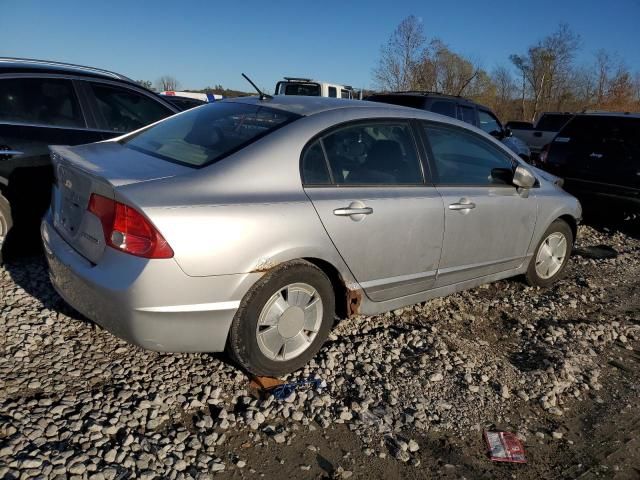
(289, 322)
(551, 255)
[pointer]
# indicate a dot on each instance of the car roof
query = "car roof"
(609, 114)
(307, 105)
(29, 65)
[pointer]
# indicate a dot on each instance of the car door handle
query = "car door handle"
(462, 206)
(347, 211)
(537, 134)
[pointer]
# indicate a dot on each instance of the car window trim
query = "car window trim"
(431, 157)
(360, 121)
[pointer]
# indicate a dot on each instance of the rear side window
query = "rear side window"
(344, 94)
(603, 131)
(444, 108)
(314, 166)
(462, 158)
(125, 110)
(202, 136)
(552, 123)
(367, 154)
(333, 92)
(42, 101)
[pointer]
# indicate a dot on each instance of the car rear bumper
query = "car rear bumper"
(150, 303)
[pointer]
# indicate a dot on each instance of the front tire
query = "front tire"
(283, 320)
(551, 256)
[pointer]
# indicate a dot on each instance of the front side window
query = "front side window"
(344, 94)
(466, 114)
(42, 101)
(124, 110)
(202, 136)
(462, 158)
(372, 154)
(333, 92)
(489, 123)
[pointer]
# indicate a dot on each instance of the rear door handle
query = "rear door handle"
(347, 211)
(462, 206)
(537, 134)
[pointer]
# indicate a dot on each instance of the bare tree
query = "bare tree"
(399, 56)
(167, 82)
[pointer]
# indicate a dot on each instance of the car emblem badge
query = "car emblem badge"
(68, 184)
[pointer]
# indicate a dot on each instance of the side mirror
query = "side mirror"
(508, 132)
(523, 177)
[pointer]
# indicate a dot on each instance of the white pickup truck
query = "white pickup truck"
(542, 133)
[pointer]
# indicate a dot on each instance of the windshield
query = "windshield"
(205, 135)
(552, 122)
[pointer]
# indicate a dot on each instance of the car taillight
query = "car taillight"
(125, 229)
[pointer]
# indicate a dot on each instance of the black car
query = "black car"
(456, 107)
(598, 155)
(48, 103)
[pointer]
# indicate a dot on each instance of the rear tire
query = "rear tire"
(293, 303)
(6, 222)
(551, 255)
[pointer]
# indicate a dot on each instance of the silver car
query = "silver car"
(252, 224)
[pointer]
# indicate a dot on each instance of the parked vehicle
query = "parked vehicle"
(184, 103)
(547, 126)
(312, 88)
(598, 155)
(203, 97)
(460, 108)
(43, 103)
(250, 224)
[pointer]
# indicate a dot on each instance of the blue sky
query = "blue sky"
(206, 43)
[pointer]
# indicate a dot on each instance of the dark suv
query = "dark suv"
(49, 103)
(460, 108)
(598, 155)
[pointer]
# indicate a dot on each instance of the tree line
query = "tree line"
(545, 77)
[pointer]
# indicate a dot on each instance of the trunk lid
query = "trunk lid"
(96, 168)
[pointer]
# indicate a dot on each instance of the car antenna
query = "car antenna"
(263, 96)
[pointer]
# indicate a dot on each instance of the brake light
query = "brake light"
(125, 229)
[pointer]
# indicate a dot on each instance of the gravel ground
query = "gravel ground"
(404, 394)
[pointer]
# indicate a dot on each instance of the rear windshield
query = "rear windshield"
(295, 88)
(552, 123)
(205, 135)
(402, 100)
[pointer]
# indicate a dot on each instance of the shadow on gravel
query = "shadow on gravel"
(31, 274)
(629, 226)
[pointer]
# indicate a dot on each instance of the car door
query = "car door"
(366, 182)
(36, 112)
(121, 109)
(488, 222)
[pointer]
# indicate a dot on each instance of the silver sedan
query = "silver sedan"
(252, 224)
